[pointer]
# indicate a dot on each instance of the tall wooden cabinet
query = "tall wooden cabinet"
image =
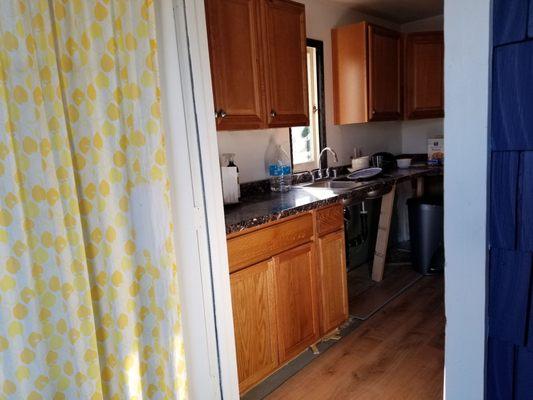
(366, 74)
(424, 75)
(258, 63)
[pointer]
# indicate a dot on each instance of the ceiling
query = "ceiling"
(399, 11)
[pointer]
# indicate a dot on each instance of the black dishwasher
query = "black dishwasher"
(361, 220)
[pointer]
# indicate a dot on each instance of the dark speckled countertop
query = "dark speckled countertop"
(266, 207)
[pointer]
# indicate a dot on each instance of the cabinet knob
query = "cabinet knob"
(272, 113)
(373, 111)
(220, 113)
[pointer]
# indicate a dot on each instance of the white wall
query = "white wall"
(250, 148)
(428, 24)
(467, 36)
(415, 134)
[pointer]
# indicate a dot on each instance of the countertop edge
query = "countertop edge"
(353, 195)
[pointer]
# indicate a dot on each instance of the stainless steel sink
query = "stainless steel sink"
(335, 186)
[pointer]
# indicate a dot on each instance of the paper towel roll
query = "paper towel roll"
(230, 185)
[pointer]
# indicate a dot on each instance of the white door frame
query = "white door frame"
(467, 30)
(196, 192)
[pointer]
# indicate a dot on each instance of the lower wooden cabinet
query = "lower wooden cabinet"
(333, 281)
(296, 300)
(254, 318)
(285, 303)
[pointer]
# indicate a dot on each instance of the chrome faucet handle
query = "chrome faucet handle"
(310, 173)
(331, 172)
(317, 174)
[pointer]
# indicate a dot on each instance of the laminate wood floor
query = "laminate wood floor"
(366, 297)
(398, 354)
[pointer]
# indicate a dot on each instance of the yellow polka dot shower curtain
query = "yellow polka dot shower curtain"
(89, 303)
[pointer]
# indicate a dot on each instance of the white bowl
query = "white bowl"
(403, 162)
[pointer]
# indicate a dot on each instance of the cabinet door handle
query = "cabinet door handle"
(272, 113)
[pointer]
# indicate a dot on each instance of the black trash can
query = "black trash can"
(426, 229)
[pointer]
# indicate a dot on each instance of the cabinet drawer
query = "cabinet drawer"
(259, 245)
(329, 219)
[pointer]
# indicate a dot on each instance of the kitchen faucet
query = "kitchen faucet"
(336, 158)
(320, 172)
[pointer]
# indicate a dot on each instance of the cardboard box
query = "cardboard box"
(436, 151)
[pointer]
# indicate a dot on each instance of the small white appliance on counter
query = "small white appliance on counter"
(231, 189)
(230, 184)
(360, 163)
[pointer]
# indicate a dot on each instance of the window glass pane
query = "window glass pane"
(301, 145)
(305, 139)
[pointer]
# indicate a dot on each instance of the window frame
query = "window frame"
(318, 45)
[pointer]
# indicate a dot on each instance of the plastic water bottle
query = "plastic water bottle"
(280, 171)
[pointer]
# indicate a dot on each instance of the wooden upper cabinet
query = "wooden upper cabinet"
(333, 281)
(366, 74)
(258, 63)
(234, 33)
(286, 66)
(384, 74)
(254, 318)
(349, 57)
(296, 301)
(424, 75)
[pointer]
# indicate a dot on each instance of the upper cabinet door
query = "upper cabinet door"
(424, 75)
(350, 78)
(384, 74)
(234, 34)
(286, 66)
